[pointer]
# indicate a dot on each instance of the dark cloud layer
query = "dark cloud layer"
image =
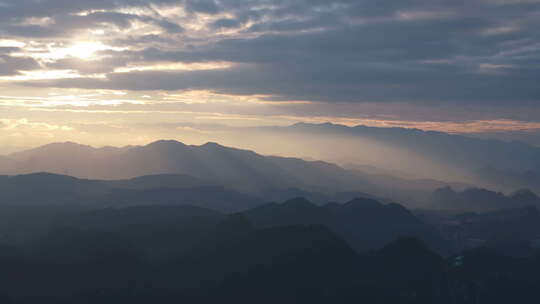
(413, 51)
(12, 65)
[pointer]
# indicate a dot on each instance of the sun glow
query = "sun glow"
(84, 50)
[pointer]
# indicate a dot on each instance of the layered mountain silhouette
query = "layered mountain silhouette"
(212, 197)
(159, 181)
(164, 254)
(171, 163)
(165, 189)
(513, 231)
(512, 179)
(155, 229)
(426, 154)
(364, 223)
(481, 200)
(407, 160)
(239, 169)
(46, 189)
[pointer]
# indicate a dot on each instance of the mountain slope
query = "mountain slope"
(46, 189)
(65, 158)
(364, 223)
(481, 200)
(419, 154)
(241, 169)
(211, 197)
(174, 181)
(157, 229)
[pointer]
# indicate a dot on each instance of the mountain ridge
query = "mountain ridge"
(425, 154)
(211, 161)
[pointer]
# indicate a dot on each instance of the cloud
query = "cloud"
(202, 6)
(10, 65)
(466, 57)
(340, 51)
(328, 82)
(5, 50)
(226, 23)
(67, 17)
(25, 124)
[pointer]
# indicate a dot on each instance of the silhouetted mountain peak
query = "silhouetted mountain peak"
(299, 203)
(398, 207)
(175, 144)
(63, 147)
(235, 168)
(482, 200)
(67, 144)
(445, 191)
(44, 176)
(212, 144)
(301, 124)
(166, 143)
(323, 124)
(362, 203)
(326, 126)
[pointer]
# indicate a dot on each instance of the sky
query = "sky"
(120, 72)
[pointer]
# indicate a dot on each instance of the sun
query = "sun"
(83, 49)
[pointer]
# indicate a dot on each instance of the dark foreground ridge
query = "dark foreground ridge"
(173, 238)
(293, 252)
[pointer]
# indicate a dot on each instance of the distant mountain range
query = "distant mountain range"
(235, 168)
(46, 189)
(503, 165)
(170, 230)
(280, 177)
(364, 223)
(481, 200)
(211, 223)
(512, 231)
